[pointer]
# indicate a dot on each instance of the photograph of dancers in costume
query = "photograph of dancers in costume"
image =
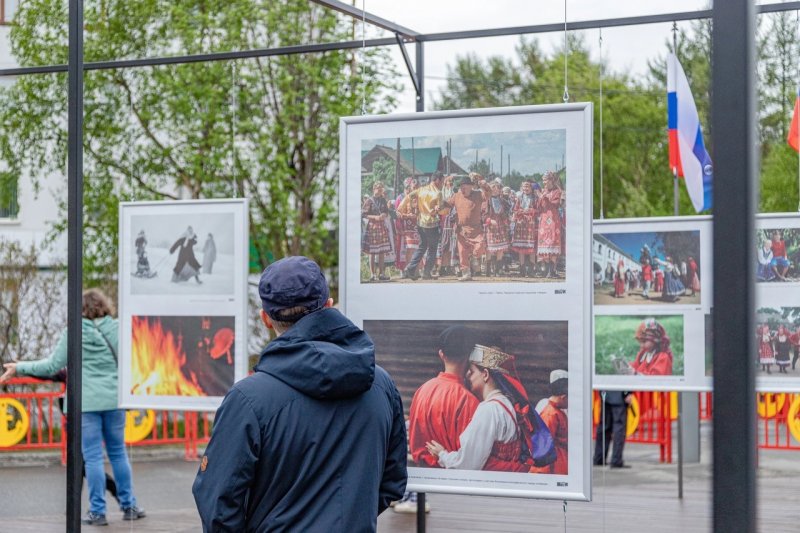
(472, 409)
(778, 340)
(458, 219)
(646, 267)
(636, 345)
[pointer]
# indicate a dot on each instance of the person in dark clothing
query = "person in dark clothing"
(613, 426)
(314, 440)
(187, 265)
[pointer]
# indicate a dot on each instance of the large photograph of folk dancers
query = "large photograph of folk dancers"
(778, 253)
(182, 254)
(481, 207)
(480, 395)
(778, 341)
(639, 345)
(647, 268)
(182, 355)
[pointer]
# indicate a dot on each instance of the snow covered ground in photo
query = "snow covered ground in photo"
(220, 281)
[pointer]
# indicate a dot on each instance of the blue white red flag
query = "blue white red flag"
(688, 157)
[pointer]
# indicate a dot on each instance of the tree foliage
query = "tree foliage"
(636, 181)
(265, 128)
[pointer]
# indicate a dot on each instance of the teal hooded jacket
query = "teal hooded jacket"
(99, 364)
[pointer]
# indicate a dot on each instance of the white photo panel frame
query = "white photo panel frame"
(203, 319)
(778, 302)
(621, 240)
(567, 298)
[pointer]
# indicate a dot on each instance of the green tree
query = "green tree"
(636, 179)
(265, 128)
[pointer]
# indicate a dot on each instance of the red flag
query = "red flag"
(794, 136)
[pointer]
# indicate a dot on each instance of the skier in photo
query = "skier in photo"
(209, 254)
(142, 263)
(187, 265)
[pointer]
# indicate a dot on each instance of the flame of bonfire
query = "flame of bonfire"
(157, 360)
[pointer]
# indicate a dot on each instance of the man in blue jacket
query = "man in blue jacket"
(315, 439)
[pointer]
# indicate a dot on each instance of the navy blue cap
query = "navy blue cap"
(294, 281)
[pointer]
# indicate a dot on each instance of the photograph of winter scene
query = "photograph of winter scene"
(182, 254)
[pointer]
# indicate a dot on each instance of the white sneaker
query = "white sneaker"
(409, 505)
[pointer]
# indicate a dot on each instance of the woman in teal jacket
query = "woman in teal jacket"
(101, 419)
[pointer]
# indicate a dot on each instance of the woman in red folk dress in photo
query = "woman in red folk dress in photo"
(524, 239)
(406, 226)
(766, 354)
(493, 440)
(654, 357)
(497, 236)
(377, 235)
(549, 238)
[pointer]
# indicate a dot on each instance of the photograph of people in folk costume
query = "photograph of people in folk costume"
(639, 345)
(464, 208)
(182, 254)
(480, 395)
(777, 335)
(638, 268)
(778, 253)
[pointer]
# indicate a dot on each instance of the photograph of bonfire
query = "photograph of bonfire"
(182, 355)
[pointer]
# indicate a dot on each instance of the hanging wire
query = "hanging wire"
(131, 142)
(363, 57)
(566, 53)
(602, 215)
(234, 89)
(605, 452)
(565, 516)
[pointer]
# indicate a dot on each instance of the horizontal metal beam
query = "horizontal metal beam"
(366, 16)
(204, 58)
(431, 37)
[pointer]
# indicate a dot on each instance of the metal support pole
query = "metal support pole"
(74, 263)
(733, 69)
(680, 447)
(420, 76)
(420, 512)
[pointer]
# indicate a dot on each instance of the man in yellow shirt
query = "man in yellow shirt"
(429, 202)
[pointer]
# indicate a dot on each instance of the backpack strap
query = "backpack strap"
(113, 351)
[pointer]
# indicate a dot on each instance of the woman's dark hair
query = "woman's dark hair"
(96, 304)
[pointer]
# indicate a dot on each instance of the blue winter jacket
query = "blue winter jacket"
(314, 440)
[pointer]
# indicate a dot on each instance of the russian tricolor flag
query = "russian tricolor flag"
(688, 157)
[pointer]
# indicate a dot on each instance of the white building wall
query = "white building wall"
(37, 212)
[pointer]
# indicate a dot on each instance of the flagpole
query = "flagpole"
(675, 191)
(798, 154)
(675, 210)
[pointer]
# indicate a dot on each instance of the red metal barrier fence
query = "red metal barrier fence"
(31, 419)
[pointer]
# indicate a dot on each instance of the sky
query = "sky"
(632, 243)
(626, 49)
(531, 151)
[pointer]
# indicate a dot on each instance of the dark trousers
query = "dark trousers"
(428, 243)
(612, 427)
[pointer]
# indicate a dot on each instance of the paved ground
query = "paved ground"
(643, 498)
(605, 296)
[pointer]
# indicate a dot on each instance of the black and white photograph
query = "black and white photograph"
(182, 254)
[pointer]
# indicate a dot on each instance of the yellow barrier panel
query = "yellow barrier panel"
(769, 404)
(14, 422)
(138, 425)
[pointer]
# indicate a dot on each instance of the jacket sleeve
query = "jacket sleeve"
(395, 475)
(222, 485)
(46, 367)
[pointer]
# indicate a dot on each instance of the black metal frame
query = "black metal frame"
(733, 113)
